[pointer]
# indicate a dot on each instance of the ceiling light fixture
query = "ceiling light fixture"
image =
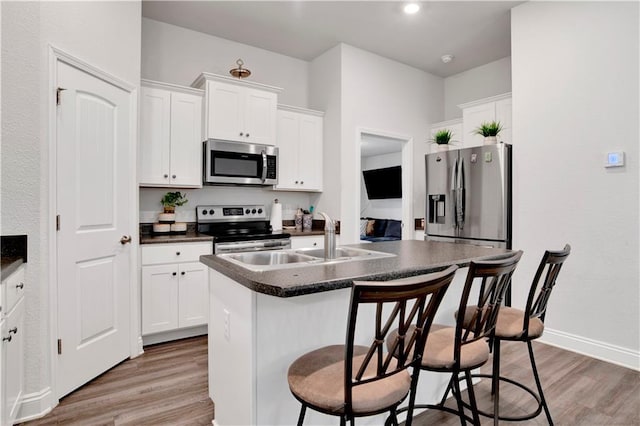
(411, 8)
(240, 72)
(447, 58)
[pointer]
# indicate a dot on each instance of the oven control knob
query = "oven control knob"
(204, 212)
(211, 211)
(247, 211)
(259, 211)
(253, 211)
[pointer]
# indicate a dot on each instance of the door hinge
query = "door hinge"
(58, 90)
(59, 346)
(57, 222)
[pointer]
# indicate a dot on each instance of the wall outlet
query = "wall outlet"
(227, 325)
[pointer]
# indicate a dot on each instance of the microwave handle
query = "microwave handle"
(264, 165)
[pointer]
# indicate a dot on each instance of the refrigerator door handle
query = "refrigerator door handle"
(460, 193)
(454, 193)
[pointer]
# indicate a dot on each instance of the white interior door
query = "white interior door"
(94, 177)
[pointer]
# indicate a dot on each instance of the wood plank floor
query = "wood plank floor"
(168, 386)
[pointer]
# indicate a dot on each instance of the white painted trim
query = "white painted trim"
(36, 405)
(593, 348)
(485, 100)
(408, 228)
(152, 339)
(170, 86)
(447, 123)
(57, 55)
(200, 81)
(300, 110)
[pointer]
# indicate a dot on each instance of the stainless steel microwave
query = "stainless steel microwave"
(239, 163)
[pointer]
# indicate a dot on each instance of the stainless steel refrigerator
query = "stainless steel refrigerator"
(469, 195)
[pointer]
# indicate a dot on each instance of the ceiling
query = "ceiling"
(373, 145)
(474, 32)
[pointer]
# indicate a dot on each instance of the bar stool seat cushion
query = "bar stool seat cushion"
(317, 378)
(510, 323)
(438, 352)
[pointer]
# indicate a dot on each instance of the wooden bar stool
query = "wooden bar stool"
(353, 380)
(524, 326)
(457, 350)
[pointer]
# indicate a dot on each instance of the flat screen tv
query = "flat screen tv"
(383, 183)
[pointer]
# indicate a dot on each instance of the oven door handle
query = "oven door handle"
(264, 165)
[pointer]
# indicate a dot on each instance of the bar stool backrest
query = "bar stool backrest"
(408, 304)
(493, 277)
(540, 291)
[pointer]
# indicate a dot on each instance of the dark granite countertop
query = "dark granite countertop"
(189, 237)
(412, 258)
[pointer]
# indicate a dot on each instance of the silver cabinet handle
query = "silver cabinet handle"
(14, 330)
(125, 239)
(20, 286)
(6, 339)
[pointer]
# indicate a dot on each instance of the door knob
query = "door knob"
(125, 239)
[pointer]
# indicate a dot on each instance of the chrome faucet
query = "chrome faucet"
(329, 237)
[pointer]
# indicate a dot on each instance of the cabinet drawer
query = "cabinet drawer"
(171, 253)
(14, 289)
(312, 241)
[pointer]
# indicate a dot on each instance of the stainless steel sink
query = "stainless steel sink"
(270, 257)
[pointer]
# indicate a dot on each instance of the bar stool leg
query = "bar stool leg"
(303, 409)
(543, 401)
(458, 396)
(495, 381)
(472, 398)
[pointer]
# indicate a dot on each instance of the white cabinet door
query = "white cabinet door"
(186, 139)
(310, 153)
(260, 116)
(193, 295)
(159, 298)
(312, 241)
(154, 151)
(170, 152)
(503, 115)
(287, 141)
(14, 362)
(225, 111)
(300, 151)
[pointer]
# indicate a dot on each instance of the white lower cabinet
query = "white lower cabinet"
(311, 241)
(12, 351)
(174, 287)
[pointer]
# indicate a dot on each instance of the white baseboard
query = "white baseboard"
(593, 348)
(36, 405)
(152, 339)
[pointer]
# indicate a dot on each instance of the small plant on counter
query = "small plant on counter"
(172, 199)
(442, 137)
(491, 128)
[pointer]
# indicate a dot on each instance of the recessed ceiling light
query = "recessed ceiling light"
(411, 8)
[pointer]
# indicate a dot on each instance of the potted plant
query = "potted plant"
(490, 131)
(172, 199)
(442, 138)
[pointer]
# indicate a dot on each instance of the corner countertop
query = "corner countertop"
(412, 258)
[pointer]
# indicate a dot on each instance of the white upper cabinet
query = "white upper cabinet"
(496, 108)
(300, 153)
(170, 136)
(239, 110)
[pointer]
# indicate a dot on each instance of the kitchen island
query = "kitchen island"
(261, 321)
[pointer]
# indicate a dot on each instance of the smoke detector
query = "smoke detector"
(447, 58)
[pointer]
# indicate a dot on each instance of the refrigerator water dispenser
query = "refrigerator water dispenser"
(437, 208)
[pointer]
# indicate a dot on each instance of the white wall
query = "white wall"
(575, 75)
(105, 34)
(382, 209)
(325, 94)
(486, 80)
(177, 55)
(384, 95)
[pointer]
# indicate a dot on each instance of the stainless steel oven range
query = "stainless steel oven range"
(238, 228)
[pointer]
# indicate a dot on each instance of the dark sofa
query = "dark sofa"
(374, 230)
